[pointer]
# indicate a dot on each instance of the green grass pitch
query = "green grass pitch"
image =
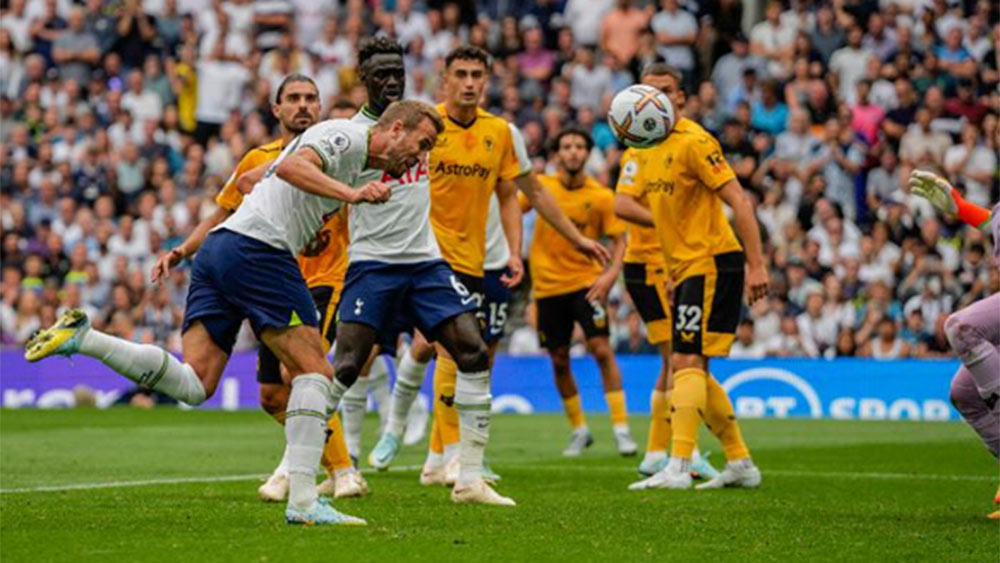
(858, 491)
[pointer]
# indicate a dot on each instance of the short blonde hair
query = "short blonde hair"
(411, 113)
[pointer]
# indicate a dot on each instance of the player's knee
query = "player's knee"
(560, 362)
(273, 398)
(601, 349)
(348, 371)
(472, 355)
(961, 335)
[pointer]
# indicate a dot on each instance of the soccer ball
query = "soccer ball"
(641, 116)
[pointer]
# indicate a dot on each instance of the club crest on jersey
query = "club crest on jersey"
(488, 143)
(340, 142)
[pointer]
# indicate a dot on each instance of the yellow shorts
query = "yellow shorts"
(647, 286)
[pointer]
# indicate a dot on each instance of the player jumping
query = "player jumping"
(246, 269)
(323, 263)
(974, 332)
(685, 180)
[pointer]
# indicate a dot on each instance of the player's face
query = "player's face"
(408, 147)
(669, 86)
(572, 153)
(298, 109)
(384, 78)
(465, 81)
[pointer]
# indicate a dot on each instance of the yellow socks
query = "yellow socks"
(616, 406)
(721, 421)
(445, 414)
(335, 454)
(574, 411)
(688, 401)
(659, 421)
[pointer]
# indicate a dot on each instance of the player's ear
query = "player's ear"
(276, 111)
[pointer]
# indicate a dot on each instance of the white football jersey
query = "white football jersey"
(399, 230)
(284, 216)
(497, 251)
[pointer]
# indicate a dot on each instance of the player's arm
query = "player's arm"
(947, 200)
(190, 245)
(510, 218)
(745, 223)
(247, 180)
(599, 291)
(546, 206)
(304, 170)
(628, 208)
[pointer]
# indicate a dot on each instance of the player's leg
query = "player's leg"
(353, 407)
(379, 386)
(593, 319)
(721, 305)
(976, 412)
(147, 365)
(658, 440)
(343, 478)
(409, 377)
(274, 400)
(974, 334)
(314, 395)
(461, 337)
(555, 330)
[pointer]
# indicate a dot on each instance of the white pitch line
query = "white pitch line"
(152, 482)
(405, 468)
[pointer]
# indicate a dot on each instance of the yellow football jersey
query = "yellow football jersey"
(230, 197)
(680, 177)
(323, 261)
(557, 268)
(465, 166)
(642, 245)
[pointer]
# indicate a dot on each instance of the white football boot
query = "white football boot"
(275, 489)
(740, 473)
(479, 493)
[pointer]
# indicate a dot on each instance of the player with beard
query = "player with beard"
(570, 287)
(323, 263)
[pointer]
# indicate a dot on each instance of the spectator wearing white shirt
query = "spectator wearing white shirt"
(676, 31)
(817, 328)
(789, 343)
(973, 164)
(883, 180)
(727, 74)
(584, 17)
(588, 82)
(410, 23)
(850, 63)
(746, 346)
(142, 103)
(220, 88)
(886, 344)
(773, 40)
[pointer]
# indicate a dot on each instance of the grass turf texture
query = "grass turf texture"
(832, 490)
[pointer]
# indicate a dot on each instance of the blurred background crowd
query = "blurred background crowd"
(120, 121)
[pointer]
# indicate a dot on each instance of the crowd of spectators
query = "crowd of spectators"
(119, 122)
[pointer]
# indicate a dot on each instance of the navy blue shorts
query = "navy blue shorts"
(388, 296)
(497, 296)
(235, 277)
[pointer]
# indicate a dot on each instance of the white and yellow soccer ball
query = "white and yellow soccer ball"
(641, 116)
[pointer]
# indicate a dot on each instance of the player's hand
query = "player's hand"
(515, 273)
(668, 290)
(372, 192)
(601, 288)
(164, 263)
(593, 249)
(934, 189)
(757, 282)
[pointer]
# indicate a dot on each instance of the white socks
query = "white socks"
(146, 365)
(282, 468)
(352, 413)
(472, 399)
(378, 382)
(409, 378)
(305, 431)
